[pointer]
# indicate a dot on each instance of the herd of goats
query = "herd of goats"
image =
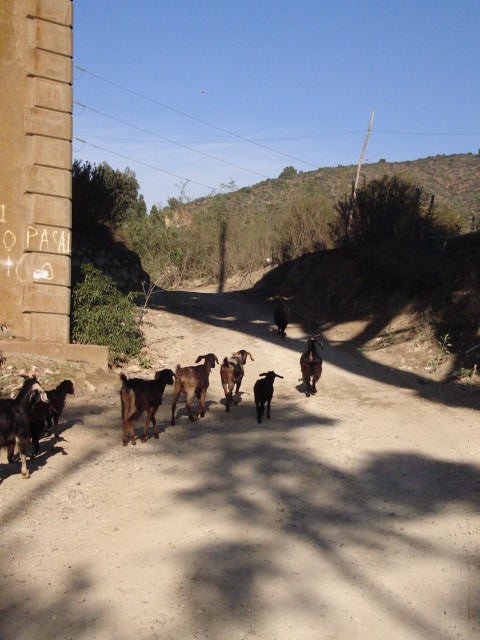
(25, 418)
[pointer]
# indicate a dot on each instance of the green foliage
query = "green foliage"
(239, 230)
(101, 195)
(287, 172)
(447, 219)
(444, 346)
(302, 226)
(102, 315)
(222, 237)
(390, 210)
(385, 209)
(145, 362)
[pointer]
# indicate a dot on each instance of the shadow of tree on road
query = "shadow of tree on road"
(245, 313)
(285, 502)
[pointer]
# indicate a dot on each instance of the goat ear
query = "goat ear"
(277, 376)
(199, 358)
(251, 357)
(263, 374)
(216, 359)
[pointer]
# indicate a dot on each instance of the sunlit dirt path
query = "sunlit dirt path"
(351, 514)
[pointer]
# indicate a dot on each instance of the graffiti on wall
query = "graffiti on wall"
(38, 239)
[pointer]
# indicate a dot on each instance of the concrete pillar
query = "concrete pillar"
(36, 50)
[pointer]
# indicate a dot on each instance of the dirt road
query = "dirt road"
(351, 514)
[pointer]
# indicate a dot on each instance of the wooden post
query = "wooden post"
(361, 156)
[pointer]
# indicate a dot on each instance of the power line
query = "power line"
(187, 115)
(145, 164)
(170, 141)
(428, 133)
(283, 139)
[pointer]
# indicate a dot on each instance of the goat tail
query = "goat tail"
(123, 378)
(177, 372)
(225, 361)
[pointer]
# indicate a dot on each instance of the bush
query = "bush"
(302, 226)
(102, 315)
(288, 172)
(390, 210)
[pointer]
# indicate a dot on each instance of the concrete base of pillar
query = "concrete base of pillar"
(88, 353)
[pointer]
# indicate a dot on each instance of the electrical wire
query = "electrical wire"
(169, 140)
(191, 117)
(145, 164)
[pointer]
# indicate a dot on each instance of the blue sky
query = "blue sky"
(299, 77)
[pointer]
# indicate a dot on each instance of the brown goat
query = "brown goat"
(231, 373)
(311, 365)
(139, 395)
(193, 381)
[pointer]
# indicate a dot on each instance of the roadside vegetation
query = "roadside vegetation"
(102, 315)
(392, 246)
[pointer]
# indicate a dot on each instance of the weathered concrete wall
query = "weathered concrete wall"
(36, 49)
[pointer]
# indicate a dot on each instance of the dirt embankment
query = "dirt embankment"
(427, 319)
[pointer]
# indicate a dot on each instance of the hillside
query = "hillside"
(453, 179)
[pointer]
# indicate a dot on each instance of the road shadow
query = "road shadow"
(279, 496)
(248, 313)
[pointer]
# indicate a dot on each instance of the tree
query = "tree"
(288, 172)
(101, 195)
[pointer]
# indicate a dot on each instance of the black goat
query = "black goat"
(263, 392)
(311, 365)
(48, 415)
(281, 315)
(15, 419)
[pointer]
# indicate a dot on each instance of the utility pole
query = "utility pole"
(361, 156)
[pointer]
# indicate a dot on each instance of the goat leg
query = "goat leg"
(147, 422)
(132, 433)
(268, 408)
(189, 406)
(55, 427)
(306, 380)
(228, 395)
(201, 405)
(154, 422)
(35, 444)
(176, 393)
(22, 447)
(10, 451)
(239, 382)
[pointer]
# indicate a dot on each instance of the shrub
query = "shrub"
(390, 210)
(102, 315)
(288, 172)
(302, 226)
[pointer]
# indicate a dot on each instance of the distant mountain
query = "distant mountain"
(453, 179)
